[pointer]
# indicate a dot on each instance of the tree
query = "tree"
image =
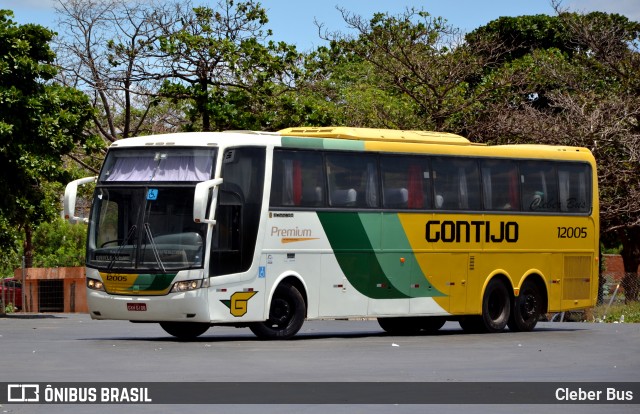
(59, 243)
(165, 66)
(107, 48)
(421, 60)
(580, 86)
(219, 61)
(339, 88)
(40, 122)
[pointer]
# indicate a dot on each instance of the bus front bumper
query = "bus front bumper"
(175, 307)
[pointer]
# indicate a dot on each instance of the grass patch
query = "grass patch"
(617, 312)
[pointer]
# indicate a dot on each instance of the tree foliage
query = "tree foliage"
(579, 86)
(40, 122)
(59, 243)
(219, 60)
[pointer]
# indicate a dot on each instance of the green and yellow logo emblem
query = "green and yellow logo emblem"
(239, 303)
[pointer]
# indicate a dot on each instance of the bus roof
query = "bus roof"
(357, 139)
(373, 134)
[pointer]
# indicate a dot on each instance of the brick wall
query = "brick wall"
(613, 268)
(73, 290)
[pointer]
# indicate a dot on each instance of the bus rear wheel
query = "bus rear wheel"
(185, 330)
(286, 315)
(527, 308)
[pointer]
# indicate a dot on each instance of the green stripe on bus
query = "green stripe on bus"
(356, 256)
(323, 143)
(395, 255)
(153, 282)
(376, 272)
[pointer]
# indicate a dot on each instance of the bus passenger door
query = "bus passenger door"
(238, 211)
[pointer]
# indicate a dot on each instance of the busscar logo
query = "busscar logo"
(23, 393)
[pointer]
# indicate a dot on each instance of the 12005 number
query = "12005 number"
(572, 232)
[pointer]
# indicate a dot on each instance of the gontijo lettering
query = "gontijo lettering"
(450, 231)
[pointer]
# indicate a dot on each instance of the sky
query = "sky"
(292, 21)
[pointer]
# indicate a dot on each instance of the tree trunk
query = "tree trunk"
(28, 246)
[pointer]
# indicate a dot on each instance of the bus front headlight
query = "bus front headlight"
(187, 285)
(95, 284)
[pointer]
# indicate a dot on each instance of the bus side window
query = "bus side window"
(405, 182)
(500, 185)
(574, 188)
(297, 179)
(352, 180)
(539, 186)
(456, 183)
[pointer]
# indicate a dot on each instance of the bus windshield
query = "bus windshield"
(142, 213)
(146, 228)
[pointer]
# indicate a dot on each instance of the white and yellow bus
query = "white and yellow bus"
(265, 230)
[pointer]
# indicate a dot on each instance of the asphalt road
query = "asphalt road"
(73, 348)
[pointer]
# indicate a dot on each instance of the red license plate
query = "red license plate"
(137, 307)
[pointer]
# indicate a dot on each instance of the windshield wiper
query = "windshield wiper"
(147, 230)
(132, 230)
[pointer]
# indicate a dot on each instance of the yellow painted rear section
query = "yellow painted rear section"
(461, 265)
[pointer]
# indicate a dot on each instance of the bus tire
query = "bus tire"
(496, 306)
(286, 315)
(527, 308)
(185, 330)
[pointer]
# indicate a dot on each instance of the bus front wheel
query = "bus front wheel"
(527, 308)
(185, 330)
(496, 308)
(286, 315)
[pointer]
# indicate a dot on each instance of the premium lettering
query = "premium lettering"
(458, 231)
(295, 232)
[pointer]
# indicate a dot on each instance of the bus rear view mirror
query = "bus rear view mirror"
(201, 201)
(70, 194)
